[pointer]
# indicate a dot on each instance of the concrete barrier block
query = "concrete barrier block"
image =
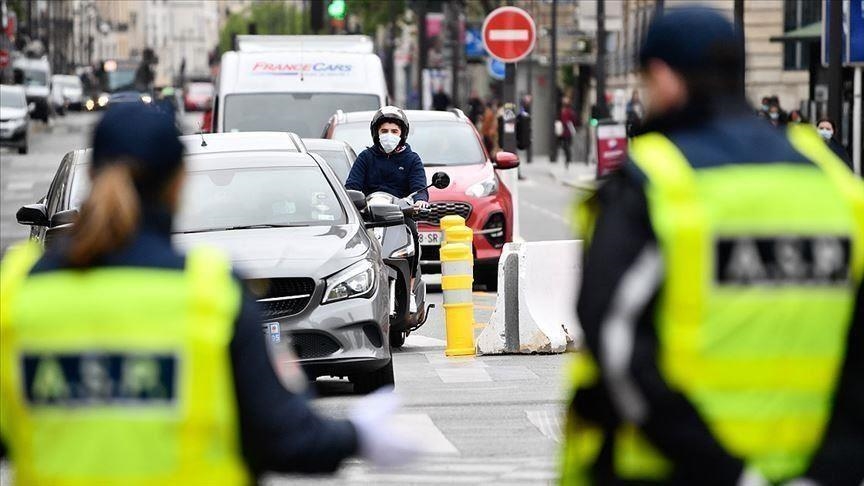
(535, 311)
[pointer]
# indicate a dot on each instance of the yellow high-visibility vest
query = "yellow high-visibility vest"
(119, 375)
(762, 263)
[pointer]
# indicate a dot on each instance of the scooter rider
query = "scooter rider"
(391, 166)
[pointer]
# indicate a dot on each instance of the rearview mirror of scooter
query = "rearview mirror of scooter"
(440, 180)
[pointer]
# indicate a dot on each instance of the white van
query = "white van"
(295, 83)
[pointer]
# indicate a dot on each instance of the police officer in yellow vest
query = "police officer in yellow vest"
(124, 362)
(721, 297)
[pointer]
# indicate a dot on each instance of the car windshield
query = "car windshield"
(119, 80)
(223, 199)
(203, 89)
(34, 77)
(437, 143)
(12, 98)
(338, 161)
(302, 113)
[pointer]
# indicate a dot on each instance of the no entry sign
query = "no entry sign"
(509, 34)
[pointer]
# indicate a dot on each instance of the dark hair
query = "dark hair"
(826, 119)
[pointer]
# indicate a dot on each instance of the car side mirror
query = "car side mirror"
(31, 107)
(62, 218)
(33, 215)
(357, 198)
(383, 215)
(440, 180)
(506, 160)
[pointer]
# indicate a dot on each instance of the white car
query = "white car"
(71, 89)
(14, 118)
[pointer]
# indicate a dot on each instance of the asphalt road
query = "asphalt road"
(485, 419)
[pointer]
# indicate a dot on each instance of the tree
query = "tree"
(270, 18)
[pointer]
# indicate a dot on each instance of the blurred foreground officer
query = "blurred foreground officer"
(124, 362)
(719, 291)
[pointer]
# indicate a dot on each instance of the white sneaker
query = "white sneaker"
(412, 305)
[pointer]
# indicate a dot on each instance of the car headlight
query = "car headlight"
(406, 251)
(357, 280)
(146, 98)
(17, 123)
(103, 100)
(89, 104)
(486, 187)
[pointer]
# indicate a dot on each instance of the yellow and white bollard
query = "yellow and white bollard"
(448, 222)
(457, 281)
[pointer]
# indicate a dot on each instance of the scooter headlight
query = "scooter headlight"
(358, 280)
(406, 251)
(486, 187)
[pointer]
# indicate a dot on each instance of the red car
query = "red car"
(447, 141)
(198, 96)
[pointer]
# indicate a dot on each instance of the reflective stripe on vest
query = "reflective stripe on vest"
(103, 385)
(758, 357)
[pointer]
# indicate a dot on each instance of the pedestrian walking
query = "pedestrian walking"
(635, 113)
(126, 362)
(490, 127)
(475, 109)
(441, 100)
(826, 131)
(721, 298)
(565, 129)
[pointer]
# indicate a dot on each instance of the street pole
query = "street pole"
(391, 46)
(602, 111)
(835, 66)
(738, 13)
(455, 45)
(857, 115)
(422, 48)
(553, 81)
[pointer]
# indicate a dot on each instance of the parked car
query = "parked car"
(35, 75)
(292, 233)
(447, 141)
(14, 118)
(198, 96)
(338, 155)
(71, 89)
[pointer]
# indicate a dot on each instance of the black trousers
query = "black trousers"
(563, 144)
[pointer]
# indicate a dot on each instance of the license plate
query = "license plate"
(430, 239)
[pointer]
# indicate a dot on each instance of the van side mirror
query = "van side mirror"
(506, 160)
(357, 198)
(33, 215)
(384, 215)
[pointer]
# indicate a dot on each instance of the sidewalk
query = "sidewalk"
(579, 175)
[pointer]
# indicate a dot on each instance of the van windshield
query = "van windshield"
(302, 113)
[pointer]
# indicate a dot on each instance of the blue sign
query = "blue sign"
(496, 68)
(852, 42)
(474, 42)
(855, 40)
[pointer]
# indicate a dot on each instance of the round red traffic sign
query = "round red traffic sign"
(509, 34)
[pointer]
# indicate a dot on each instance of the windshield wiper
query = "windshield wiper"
(242, 227)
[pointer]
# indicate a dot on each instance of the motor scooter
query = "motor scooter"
(408, 309)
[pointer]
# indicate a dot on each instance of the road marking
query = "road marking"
(463, 375)
(418, 341)
(434, 441)
(547, 422)
(509, 35)
(546, 212)
(20, 186)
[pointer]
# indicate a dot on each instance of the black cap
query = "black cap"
(136, 133)
(692, 39)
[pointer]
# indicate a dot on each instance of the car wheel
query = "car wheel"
(487, 276)
(23, 149)
(374, 380)
(397, 338)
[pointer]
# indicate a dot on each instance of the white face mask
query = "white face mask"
(389, 141)
(826, 133)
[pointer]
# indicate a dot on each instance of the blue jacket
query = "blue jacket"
(399, 173)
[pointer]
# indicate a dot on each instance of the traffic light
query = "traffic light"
(336, 9)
